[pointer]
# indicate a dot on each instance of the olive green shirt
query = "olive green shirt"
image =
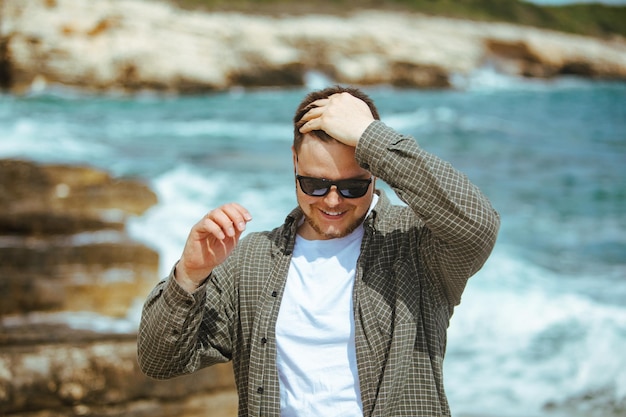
(414, 264)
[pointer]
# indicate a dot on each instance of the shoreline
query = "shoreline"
(103, 47)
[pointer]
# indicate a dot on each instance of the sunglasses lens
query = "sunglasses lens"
(354, 189)
(314, 186)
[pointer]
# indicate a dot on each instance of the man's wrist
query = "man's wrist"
(188, 284)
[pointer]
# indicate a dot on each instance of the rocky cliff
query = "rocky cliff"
(131, 45)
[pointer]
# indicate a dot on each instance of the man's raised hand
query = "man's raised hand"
(209, 243)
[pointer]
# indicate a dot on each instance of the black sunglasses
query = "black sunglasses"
(319, 187)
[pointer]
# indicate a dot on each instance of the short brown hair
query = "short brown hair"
(305, 106)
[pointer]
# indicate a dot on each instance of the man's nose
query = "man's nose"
(333, 197)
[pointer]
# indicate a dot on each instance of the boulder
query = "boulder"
(77, 190)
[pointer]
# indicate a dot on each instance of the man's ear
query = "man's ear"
(295, 159)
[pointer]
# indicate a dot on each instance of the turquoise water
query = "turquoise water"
(541, 328)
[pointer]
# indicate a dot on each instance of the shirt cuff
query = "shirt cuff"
(177, 297)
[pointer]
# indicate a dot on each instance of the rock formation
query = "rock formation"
(131, 45)
(70, 278)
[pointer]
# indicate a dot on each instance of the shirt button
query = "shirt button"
(264, 340)
(259, 390)
(274, 294)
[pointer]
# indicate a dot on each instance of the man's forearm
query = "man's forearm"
(456, 213)
(169, 322)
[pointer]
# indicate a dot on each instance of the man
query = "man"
(342, 310)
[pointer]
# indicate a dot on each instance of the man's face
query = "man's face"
(332, 215)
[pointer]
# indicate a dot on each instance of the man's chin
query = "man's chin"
(330, 232)
(334, 234)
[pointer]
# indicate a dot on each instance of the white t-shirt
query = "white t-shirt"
(316, 354)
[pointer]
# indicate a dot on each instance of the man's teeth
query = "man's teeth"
(332, 213)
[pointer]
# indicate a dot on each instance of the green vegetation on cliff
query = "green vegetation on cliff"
(585, 19)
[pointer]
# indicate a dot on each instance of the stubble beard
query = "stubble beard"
(343, 233)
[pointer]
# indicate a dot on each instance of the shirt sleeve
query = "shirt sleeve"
(175, 327)
(461, 226)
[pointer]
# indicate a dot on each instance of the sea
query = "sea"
(541, 329)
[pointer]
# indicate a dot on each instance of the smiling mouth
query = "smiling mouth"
(333, 213)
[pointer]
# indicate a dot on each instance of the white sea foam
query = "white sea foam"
(425, 119)
(183, 199)
(202, 128)
(485, 78)
(488, 79)
(47, 141)
(556, 345)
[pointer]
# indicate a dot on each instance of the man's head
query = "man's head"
(336, 206)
